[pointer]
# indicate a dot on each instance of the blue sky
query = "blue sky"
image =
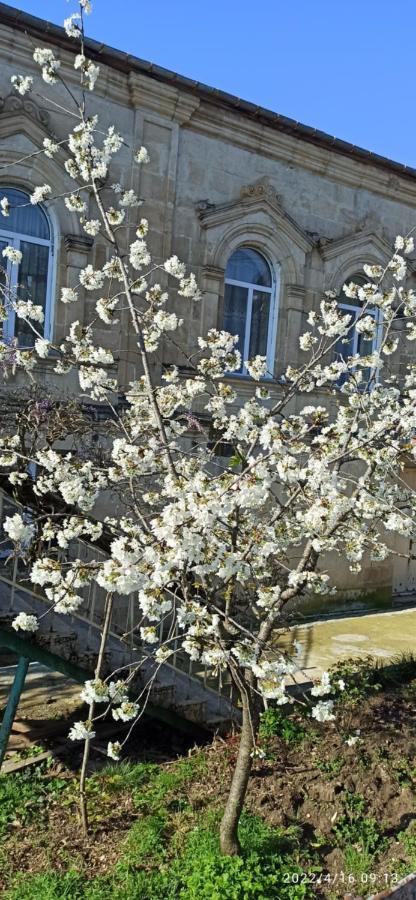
(343, 66)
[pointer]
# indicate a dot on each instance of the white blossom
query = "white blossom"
(323, 688)
(257, 367)
(142, 228)
(11, 253)
(149, 635)
(142, 156)
(139, 254)
(75, 203)
(95, 691)
(91, 279)
(126, 711)
(129, 198)
(25, 309)
(50, 147)
(68, 295)
(91, 226)
(40, 193)
(115, 216)
(323, 711)
(404, 244)
(174, 267)
(71, 27)
(24, 622)
(18, 530)
(89, 70)
(42, 347)
(114, 750)
(105, 307)
(81, 731)
(50, 65)
(307, 341)
(22, 83)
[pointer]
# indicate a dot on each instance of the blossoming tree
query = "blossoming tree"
(217, 547)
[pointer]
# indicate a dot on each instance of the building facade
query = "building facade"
(266, 212)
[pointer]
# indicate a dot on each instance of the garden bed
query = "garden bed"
(329, 811)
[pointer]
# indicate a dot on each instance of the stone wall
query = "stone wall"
(217, 180)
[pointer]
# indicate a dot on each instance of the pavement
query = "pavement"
(46, 694)
(383, 635)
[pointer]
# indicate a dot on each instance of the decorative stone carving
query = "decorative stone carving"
(13, 104)
(202, 206)
(259, 197)
(260, 190)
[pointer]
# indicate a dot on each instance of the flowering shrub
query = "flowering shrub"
(217, 549)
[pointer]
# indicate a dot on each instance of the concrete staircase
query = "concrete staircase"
(181, 692)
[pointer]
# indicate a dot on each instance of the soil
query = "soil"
(301, 782)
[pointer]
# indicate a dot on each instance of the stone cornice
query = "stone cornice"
(353, 242)
(262, 140)
(214, 113)
(80, 243)
(160, 98)
(212, 272)
(297, 291)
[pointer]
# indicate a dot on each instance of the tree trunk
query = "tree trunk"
(229, 842)
(83, 805)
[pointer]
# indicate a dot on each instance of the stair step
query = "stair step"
(163, 695)
(181, 690)
(193, 710)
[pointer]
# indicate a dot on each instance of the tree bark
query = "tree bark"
(229, 842)
(83, 805)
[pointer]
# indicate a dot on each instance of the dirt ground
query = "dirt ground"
(345, 798)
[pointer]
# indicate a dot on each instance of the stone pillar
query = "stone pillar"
(212, 286)
(78, 247)
(291, 324)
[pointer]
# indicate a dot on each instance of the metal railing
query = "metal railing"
(15, 574)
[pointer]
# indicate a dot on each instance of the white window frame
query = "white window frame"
(355, 311)
(273, 292)
(13, 239)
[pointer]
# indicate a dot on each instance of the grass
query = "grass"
(171, 852)
(155, 828)
(24, 796)
(364, 677)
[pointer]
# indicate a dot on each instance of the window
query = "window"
(250, 305)
(355, 342)
(27, 228)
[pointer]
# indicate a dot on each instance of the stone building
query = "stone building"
(267, 212)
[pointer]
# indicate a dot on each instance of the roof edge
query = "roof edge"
(125, 62)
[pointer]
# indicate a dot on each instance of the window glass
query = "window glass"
(249, 266)
(27, 229)
(24, 217)
(249, 305)
(354, 342)
(260, 314)
(33, 280)
(235, 312)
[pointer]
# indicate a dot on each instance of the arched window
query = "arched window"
(355, 341)
(250, 305)
(27, 229)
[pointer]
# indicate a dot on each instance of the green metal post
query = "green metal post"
(12, 704)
